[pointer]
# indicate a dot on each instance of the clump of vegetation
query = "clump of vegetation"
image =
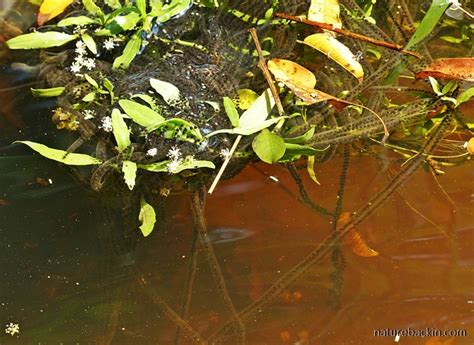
(181, 88)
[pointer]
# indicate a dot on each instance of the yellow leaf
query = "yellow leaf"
(245, 98)
(325, 11)
(310, 169)
(50, 9)
(353, 239)
(335, 50)
(470, 146)
(285, 70)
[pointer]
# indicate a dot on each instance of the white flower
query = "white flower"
(89, 64)
(12, 328)
(109, 44)
(88, 114)
(174, 153)
(80, 51)
(80, 44)
(152, 152)
(106, 124)
(76, 67)
(224, 153)
(173, 166)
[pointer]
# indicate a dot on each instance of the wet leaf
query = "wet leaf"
(80, 20)
(353, 239)
(268, 146)
(302, 139)
(120, 130)
(452, 68)
(245, 98)
(119, 24)
(129, 170)
(231, 111)
(38, 40)
(147, 217)
(90, 43)
(60, 155)
(168, 91)
(168, 11)
(285, 70)
(131, 50)
(141, 114)
(50, 9)
(51, 92)
(186, 164)
(310, 168)
(465, 96)
(336, 51)
(325, 11)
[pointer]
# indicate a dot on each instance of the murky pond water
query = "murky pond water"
(76, 271)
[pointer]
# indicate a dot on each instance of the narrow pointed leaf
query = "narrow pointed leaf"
(51, 92)
(141, 114)
(130, 51)
(120, 130)
(231, 111)
(39, 40)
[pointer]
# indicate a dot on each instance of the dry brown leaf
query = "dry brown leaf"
(353, 239)
(286, 70)
(452, 68)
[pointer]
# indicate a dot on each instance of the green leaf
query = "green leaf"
(465, 96)
(131, 50)
(91, 81)
(80, 20)
(268, 146)
(147, 217)
(141, 114)
(248, 130)
(51, 92)
(62, 156)
(90, 43)
(231, 111)
(177, 128)
(168, 11)
(92, 8)
(129, 170)
(39, 40)
(119, 24)
(89, 97)
(258, 111)
(186, 164)
(147, 99)
(435, 86)
(168, 91)
(113, 3)
(120, 130)
(429, 21)
(302, 139)
(110, 88)
(297, 149)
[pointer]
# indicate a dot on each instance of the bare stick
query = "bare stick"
(224, 165)
(359, 37)
(266, 73)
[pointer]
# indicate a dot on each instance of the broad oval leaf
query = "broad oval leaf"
(141, 114)
(336, 51)
(258, 111)
(168, 91)
(245, 98)
(325, 11)
(38, 40)
(147, 217)
(286, 70)
(268, 146)
(450, 68)
(120, 130)
(61, 155)
(50, 9)
(129, 170)
(79, 20)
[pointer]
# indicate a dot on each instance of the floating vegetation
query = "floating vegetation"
(165, 96)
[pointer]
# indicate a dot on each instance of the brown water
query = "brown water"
(64, 281)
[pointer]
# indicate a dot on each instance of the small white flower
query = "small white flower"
(88, 114)
(106, 124)
(152, 152)
(109, 44)
(173, 166)
(224, 153)
(174, 153)
(80, 44)
(12, 328)
(80, 51)
(76, 67)
(89, 64)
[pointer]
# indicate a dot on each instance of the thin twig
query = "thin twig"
(224, 165)
(266, 73)
(350, 34)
